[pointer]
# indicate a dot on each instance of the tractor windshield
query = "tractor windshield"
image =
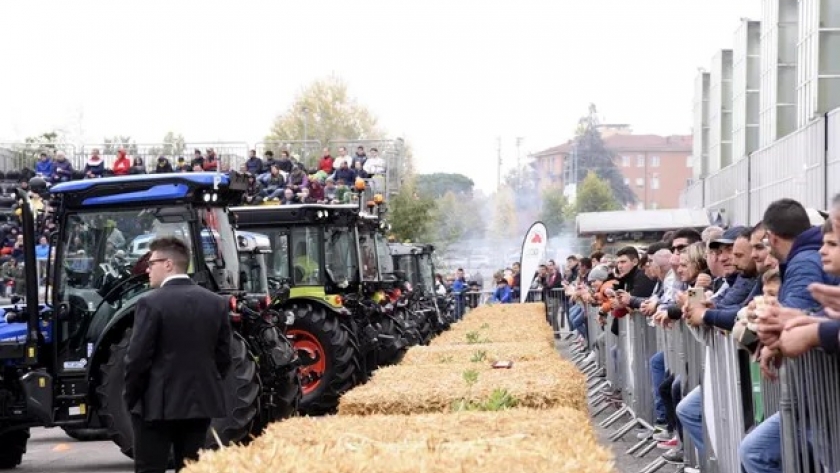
(427, 277)
(102, 245)
(383, 255)
(253, 276)
(406, 264)
(342, 262)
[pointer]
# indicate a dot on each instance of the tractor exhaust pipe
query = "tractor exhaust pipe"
(27, 214)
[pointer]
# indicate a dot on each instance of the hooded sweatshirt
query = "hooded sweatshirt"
(122, 164)
(44, 168)
(803, 267)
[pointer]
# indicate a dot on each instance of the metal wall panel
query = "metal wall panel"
(692, 196)
(745, 89)
(793, 167)
(819, 66)
(832, 159)
(727, 191)
(769, 70)
(720, 111)
(700, 151)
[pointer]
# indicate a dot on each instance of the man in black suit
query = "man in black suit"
(178, 355)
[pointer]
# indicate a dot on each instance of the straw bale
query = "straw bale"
(519, 440)
(414, 389)
(497, 332)
(460, 354)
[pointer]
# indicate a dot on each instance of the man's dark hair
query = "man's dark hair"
(786, 218)
(690, 234)
(572, 258)
(660, 245)
(668, 237)
(597, 255)
(827, 227)
(755, 229)
(586, 263)
(746, 233)
(172, 248)
(628, 251)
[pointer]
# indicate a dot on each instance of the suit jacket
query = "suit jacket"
(179, 354)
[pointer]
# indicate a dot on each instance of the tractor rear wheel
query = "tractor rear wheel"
(14, 446)
(241, 387)
(320, 334)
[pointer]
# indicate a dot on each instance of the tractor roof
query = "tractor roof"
(300, 214)
(147, 189)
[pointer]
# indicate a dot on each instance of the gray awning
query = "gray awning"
(622, 221)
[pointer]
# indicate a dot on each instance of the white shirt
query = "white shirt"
(174, 276)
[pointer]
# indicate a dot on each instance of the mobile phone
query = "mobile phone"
(696, 295)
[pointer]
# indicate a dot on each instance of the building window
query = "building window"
(689, 161)
(654, 161)
(654, 183)
(640, 182)
(626, 181)
(640, 161)
(625, 161)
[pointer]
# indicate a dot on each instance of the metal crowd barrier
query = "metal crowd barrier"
(810, 413)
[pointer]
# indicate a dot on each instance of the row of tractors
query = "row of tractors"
(318, 300)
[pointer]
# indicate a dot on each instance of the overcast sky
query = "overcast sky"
(450, 76)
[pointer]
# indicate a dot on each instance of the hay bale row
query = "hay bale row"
(416, 389)
(501, 323)
(477, 353)
(556, 441)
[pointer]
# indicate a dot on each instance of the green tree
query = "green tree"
(595, 195)
(411, 215)
(438, 184)
(592, 155)
(456, 219)
(325, 111)
(112, 145)
(505, 220)
(554, 210)
(173, 145)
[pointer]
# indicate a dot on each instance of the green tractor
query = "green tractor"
(431, 309)
(332, 273)
(63, 360)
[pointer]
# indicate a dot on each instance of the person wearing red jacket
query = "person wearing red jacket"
(326, 162)
(122, 164)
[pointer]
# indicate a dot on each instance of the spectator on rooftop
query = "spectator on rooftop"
(342, 157)
(326, 162)
(95, 166)
(44, 166)
(297, 180)
(359, 170)
(330, 191)
(272, 183)
(122, 165)
(211, 163)
(182, 165)
(197, 160)
(254, 165)
(163, 165)
(139, 167)
(62, 169)
(374, 165)
(360, 157)
(289, 197)
(252, 194)
(345, 173)
(285, 162)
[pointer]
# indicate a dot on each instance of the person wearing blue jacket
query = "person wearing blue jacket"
(796, 244)
(44, 166)
(502, 294)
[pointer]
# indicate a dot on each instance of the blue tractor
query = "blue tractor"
(62, 360)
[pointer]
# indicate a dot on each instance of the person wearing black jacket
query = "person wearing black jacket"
(180, 351)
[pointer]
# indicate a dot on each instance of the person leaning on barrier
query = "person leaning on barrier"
(795, 243)
(723, 311)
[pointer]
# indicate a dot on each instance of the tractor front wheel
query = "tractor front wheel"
(320, 334)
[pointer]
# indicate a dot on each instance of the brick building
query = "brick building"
(657, 168)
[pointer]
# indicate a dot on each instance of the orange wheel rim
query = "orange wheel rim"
(311, 375)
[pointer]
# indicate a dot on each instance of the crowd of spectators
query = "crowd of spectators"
(772, 286)
(282, 179)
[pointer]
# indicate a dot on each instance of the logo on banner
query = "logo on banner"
(537, 238)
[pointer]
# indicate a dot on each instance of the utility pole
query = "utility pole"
(518, 165)
(498, 163)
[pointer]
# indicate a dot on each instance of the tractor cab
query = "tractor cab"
(93, 281)
(314, 248)
(415, 262)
